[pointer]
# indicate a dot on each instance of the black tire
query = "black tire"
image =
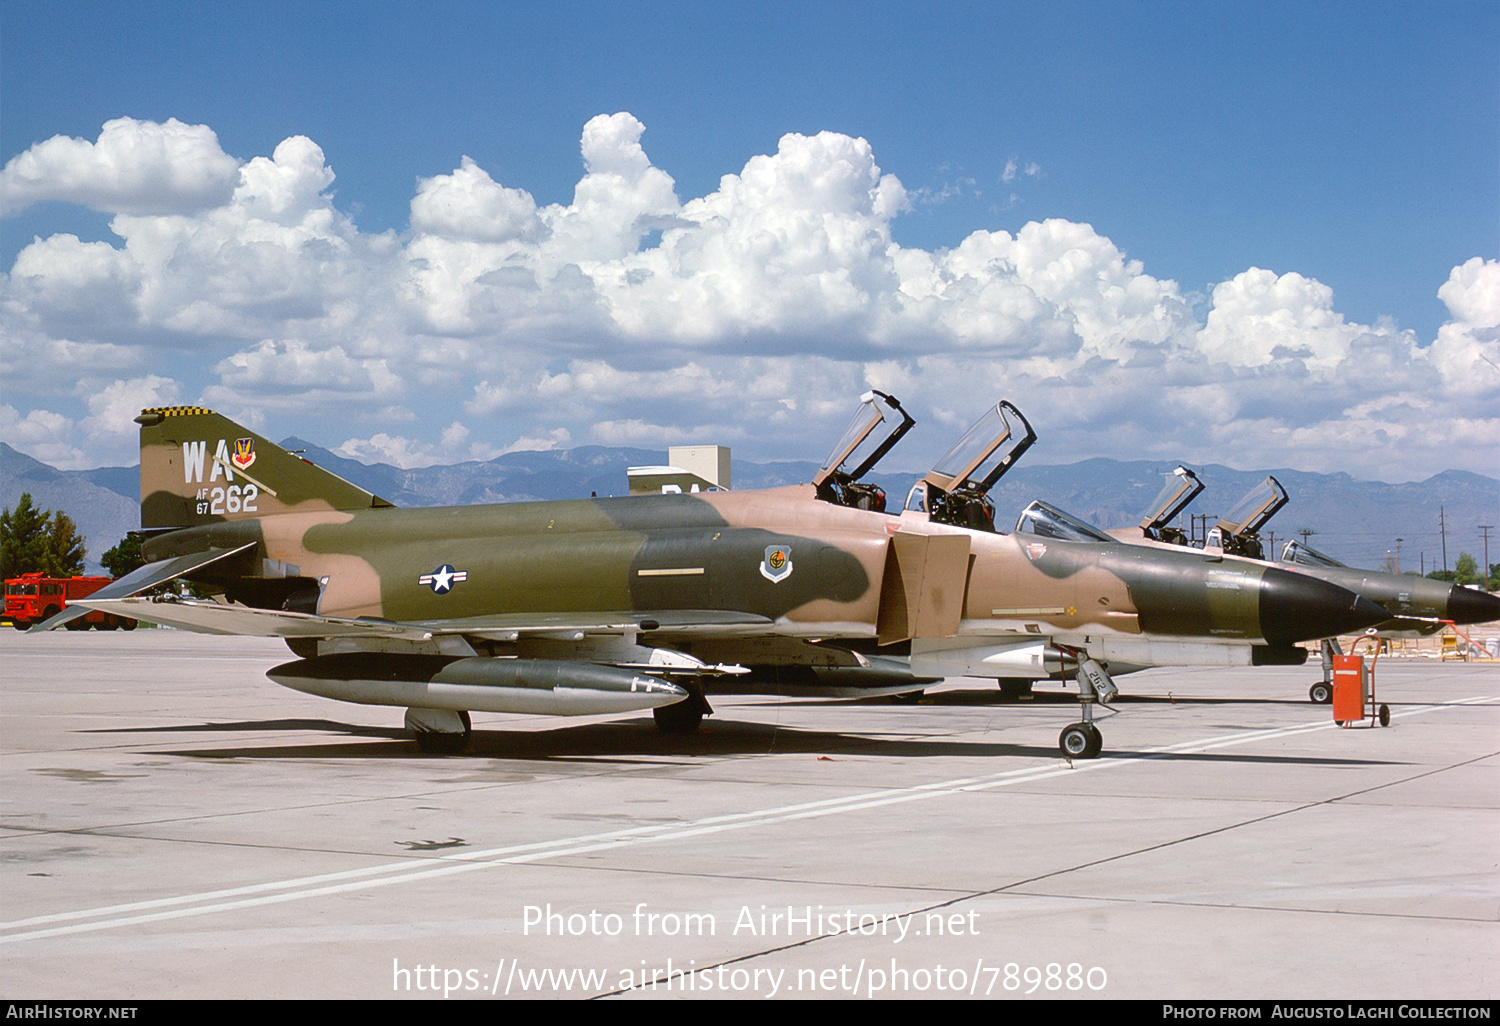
(444, 743)
(1321, 693)
(678, 718)
(1385, 716)
(20, 625)
(127, 624)
(111, 622)
(1080, 741)
(79, 624)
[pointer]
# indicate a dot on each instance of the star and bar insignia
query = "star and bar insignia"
(442, 580)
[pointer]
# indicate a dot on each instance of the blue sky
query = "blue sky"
(1349, 150)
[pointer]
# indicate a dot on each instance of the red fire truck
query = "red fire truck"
(32, 598)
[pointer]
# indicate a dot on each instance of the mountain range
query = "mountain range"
(1354, 521)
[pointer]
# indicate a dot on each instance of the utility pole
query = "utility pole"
(1398, 555)
(1486, 528)
(1443, 530)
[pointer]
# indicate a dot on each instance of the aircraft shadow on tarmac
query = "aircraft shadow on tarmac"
(637, 742)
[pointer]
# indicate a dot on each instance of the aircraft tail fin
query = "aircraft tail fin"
(198, 467)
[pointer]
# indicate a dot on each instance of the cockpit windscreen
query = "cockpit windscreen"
(1047, 521)
(1297, 552)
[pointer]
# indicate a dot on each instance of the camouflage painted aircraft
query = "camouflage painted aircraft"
(1413, 604)
(616, 604)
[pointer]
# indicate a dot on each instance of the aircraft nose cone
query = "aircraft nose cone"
(1465, 605)
(1296, 607)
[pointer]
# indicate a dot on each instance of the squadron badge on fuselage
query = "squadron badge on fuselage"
(777, 566)
(442, 580)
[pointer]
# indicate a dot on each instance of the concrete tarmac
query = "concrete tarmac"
(176, 825)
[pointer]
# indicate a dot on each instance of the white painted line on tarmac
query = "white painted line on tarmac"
(409, 870)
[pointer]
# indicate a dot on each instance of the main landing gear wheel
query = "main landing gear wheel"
(1081, 741)
(678, 718)
(683, 717)
(439, 731)
(1321, 693)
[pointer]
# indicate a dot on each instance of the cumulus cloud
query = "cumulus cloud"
(294, 366)
(135, 167)
(42, 435)
(544, 441)
(396, 450)
(1259, 317)
(1467, 350)
(105, 436)
(631, 315)
(469, 204)
(113, 408)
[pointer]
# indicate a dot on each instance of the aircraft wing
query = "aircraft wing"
(142, 578)
(214, 618)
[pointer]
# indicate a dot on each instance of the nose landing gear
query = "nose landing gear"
(1083, 740)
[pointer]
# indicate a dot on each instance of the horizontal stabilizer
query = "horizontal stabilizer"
(142, 579)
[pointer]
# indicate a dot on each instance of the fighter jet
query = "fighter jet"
(656, 601)
(1415, 604)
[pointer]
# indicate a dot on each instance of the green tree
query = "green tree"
(62, 555)
(22, 532)
(1466, 570)
(124, 557)
(33, 539)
